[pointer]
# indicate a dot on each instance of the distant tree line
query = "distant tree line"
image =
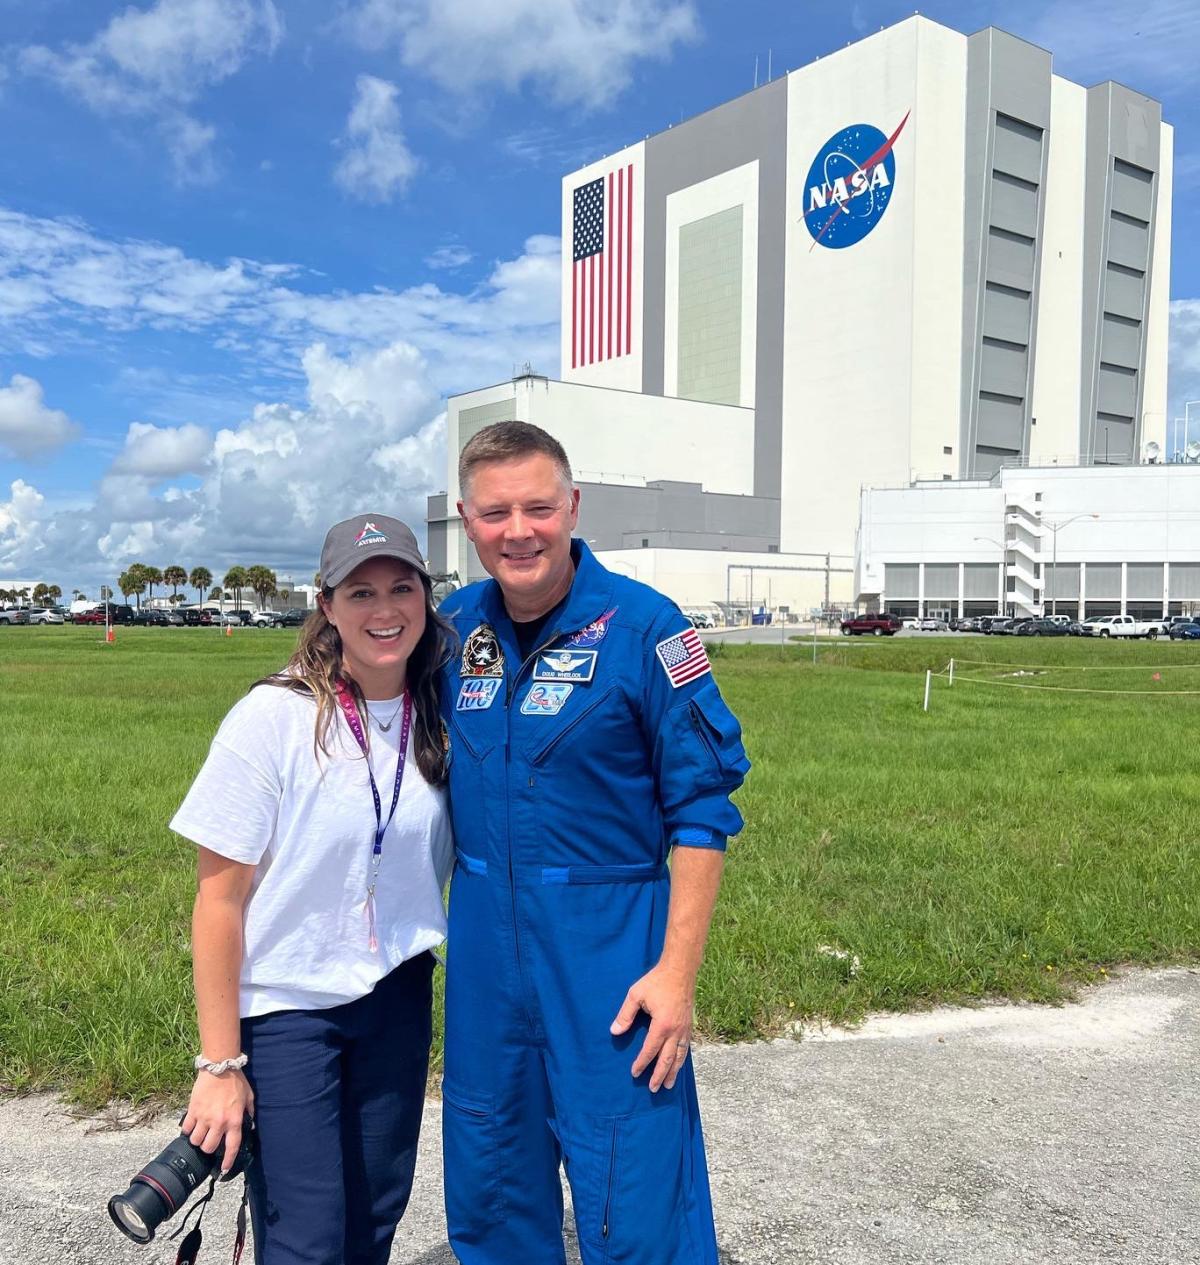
(140, 578)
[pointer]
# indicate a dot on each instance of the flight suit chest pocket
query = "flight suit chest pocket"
(597, 713)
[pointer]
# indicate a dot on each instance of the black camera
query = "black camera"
(165, 1184)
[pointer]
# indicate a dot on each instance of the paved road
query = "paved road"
(1009, 1135)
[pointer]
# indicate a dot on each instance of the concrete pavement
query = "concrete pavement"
(1007, 1135)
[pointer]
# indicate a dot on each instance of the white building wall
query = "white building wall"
(939, 180)
(621, 371)
(858, 326)
(1058, 350)
(1154, 399)
(1104, 514)
(702, 578)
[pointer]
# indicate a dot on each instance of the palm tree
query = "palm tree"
(39, 594)
(200, 579)
(174, 576)
(53, 592)
(216, 593)
(262, 580)
(153, 576)
(132, 583)
(235, 579)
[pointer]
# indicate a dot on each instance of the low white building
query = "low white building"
(1078, 541)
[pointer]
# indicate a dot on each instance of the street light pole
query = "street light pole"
(1054, 530)
(989, 540)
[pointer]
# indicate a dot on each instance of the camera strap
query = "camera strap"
(189, 1249)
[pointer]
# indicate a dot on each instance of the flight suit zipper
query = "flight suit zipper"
(512, 683)
(608, 1185)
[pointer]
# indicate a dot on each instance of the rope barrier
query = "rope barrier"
(1087, 667)
(1076, 689)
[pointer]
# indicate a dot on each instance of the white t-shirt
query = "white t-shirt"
(264, 798)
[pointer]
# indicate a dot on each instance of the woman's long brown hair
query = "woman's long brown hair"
(316, 665)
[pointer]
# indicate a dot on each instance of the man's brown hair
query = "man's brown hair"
(509, 441)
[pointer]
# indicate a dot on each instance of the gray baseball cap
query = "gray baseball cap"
(356, 540)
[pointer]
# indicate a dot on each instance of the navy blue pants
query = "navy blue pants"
(338, 1097)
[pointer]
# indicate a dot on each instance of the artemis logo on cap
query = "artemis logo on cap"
(370, 535)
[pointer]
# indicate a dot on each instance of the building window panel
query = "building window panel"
(1014, 204)
(900, 581)
(1121, 341)
(1103, 583)
(941, 582)
(1185, 581)
(1132, 190)
(1128, 241)
(1062, 581)
(1124, 291)
(1010, 258)
(1144, 580)
(710, 308)
(1017, 148)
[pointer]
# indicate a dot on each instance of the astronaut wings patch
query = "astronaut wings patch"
(683, 657)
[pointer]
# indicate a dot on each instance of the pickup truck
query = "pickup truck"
(14, 615)
(1124, 626)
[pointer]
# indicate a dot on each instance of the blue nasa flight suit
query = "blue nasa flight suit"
(571, 776)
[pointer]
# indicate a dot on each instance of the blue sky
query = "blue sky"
(247, 248)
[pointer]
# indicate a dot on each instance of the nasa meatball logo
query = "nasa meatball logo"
(849, 185)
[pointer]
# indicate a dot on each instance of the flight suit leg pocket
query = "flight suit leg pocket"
(473, 1162)
(627, 1186)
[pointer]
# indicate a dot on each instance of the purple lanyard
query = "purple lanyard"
(350, 711)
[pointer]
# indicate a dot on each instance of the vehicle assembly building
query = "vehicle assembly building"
(925, 257)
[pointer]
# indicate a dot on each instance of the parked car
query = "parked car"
(999, 625)
(1185, 630)
(293, 617)
(150, 617)
(875, 623)
(1041, 628)
(46, 615)
(14, 615)
(700, 619)
(933, 625)
(117, 614)
(194, 618)
(968, 623)
(264, 619)
(910, 621)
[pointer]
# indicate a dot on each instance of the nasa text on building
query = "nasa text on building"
(925, 255)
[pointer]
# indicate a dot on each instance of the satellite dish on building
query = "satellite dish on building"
(1152, 452)
(1192, 451)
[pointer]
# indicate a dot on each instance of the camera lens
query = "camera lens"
(160, 1189)
(125, 1211)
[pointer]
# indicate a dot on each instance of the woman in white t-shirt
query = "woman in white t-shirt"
(324, 845)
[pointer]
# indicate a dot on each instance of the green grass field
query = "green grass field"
(1011, 842)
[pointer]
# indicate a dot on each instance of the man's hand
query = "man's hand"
(668, 997)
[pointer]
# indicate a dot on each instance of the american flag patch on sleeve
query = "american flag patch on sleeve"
(683, 657)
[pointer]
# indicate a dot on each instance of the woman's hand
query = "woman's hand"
(216, 1110)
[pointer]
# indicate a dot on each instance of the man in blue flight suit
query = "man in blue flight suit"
(588, 741)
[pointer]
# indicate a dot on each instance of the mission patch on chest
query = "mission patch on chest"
(482, 655)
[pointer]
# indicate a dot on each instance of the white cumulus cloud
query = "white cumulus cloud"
(163, 452)
(377, 163)
(155, 63)
(578, 53)
(27, 426)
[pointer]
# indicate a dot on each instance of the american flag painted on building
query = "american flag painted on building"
(602, 268)
(683, 657)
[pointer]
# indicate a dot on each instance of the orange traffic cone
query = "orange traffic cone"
(228, 630)
(110, 636)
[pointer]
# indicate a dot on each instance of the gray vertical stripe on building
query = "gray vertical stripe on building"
(1007, 150)
(752, 127)
(1121, 198)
